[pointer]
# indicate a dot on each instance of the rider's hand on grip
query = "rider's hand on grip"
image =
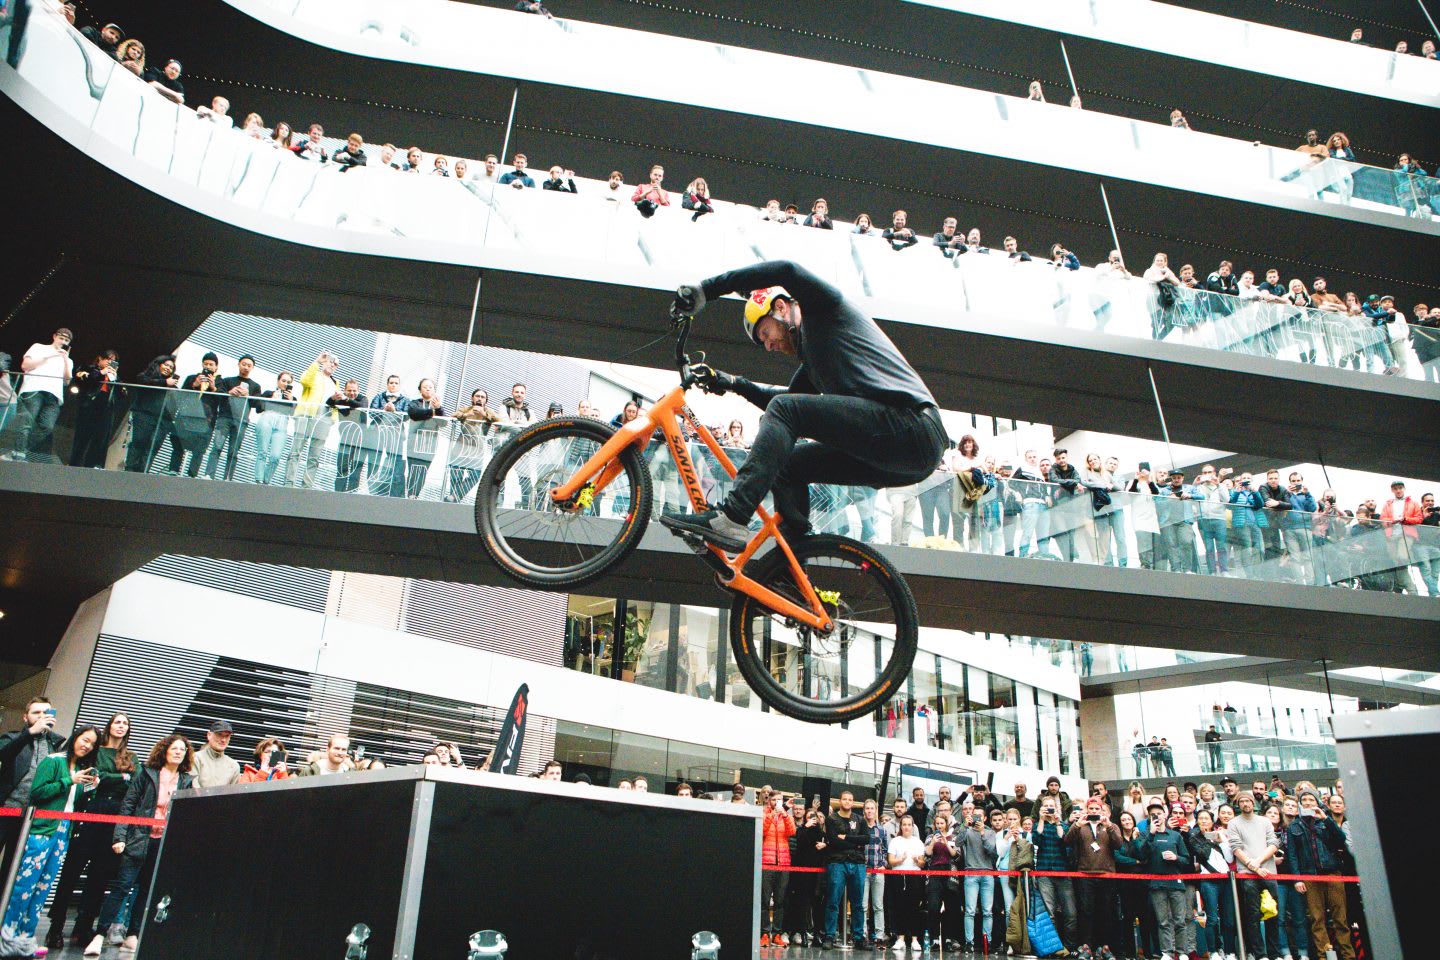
(689, 299)
(710, 380)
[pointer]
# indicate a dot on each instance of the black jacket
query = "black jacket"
(849, 848)
(921, 815)
(140, 801)
(16, 749)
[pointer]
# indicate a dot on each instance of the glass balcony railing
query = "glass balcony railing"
(1233, 755)
(598, 234)
(707, 75)
(1210, 38)
(275, 442)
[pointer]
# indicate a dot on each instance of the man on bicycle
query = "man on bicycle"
(867, 418)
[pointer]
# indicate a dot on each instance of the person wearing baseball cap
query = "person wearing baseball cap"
(213, 768)
(107, 38)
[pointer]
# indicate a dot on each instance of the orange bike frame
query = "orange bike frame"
(604, 467)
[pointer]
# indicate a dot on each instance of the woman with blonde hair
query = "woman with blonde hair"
(131, 54)
(697, 198)
(254, 126)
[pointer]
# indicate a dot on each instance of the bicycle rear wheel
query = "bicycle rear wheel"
(550, 545)
(855, 668)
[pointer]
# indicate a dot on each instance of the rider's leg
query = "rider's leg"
(892, 441)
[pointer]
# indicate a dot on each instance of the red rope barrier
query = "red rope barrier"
(85, 817)
(1081, 875)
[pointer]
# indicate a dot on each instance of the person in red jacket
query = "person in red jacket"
(1401, 518)
(775, 852)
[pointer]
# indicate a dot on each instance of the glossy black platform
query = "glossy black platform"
(425, 857)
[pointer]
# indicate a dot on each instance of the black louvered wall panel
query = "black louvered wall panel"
(293, 586)
(164, 689)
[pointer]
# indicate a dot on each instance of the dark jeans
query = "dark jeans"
(92, 435)
(145, 436)
(853, 442)
(847, 879)
(951, 924)
(1095, 903)
(91, 855)
(135, 874)
(39, 411)
(772, 900)
(229, 433)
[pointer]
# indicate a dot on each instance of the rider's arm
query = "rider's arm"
(760, 394)
(810, 290)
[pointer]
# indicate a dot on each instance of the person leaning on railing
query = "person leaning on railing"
(272, 426)
(147, 411)
(468, 444)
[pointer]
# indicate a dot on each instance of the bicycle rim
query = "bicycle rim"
(855, 668)
(545, 544)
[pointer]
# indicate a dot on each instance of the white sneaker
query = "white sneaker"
(131, 942)
(899, 945)
(97, 944)
(915, 944)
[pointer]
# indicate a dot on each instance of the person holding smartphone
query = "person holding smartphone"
(58, 779)
(47, 368)
(20, 754)
(943, 854)
(1165, 850)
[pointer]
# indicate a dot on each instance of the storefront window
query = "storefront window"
(589, 634)
(979, 704)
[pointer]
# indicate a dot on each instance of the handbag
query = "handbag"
(1100, 498)
(1269, 909)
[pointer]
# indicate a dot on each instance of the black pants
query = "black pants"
(92, 432)
(189, 435)
(144, 435)
(1095, 899)
(90, 854)
(854, 442)
(952, 923)
(799, 901)
(905, 905)
(229, 433)
(1250, 913)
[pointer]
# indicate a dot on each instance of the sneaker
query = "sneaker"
(55, 939)
(131, 942)
(764, 939)
(781, 940)
(915, 943)
(97, 944)
(712, 526)
(115, 935)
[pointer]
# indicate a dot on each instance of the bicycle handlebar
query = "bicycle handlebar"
(680, 323)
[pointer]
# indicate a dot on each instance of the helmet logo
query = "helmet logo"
(759, 296)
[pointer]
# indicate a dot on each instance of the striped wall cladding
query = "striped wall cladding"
(518, 623)
(164, 689)
(299, 587)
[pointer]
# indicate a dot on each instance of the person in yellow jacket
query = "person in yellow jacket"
(313, 418)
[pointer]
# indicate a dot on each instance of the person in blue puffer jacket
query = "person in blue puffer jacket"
(1247, 520)
(1296, 526)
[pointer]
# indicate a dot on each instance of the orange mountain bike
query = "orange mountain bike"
(824, 629)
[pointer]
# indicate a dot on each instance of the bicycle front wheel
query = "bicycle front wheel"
(550, 545)
(855, 668)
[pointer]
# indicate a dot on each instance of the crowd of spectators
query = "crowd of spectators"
(1402, 47)
(1414, 189)
(1090, 510)
(1190, 828)
(1245, 836)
